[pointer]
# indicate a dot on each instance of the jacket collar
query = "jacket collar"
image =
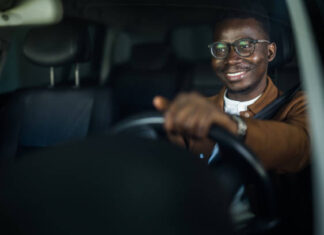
(270, 94)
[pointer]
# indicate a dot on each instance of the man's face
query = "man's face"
(245, 77)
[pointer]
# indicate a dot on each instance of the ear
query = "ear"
(272, 50)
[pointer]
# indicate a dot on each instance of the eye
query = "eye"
(220, 47)
(244, 44)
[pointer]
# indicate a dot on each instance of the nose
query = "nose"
(232, 57)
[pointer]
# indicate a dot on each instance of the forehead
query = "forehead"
(233, 29)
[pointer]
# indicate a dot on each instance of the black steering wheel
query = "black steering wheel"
(150, 124)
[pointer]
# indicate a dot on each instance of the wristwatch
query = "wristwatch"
(241, 126)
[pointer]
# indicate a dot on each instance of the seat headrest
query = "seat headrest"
(282, 36)
(57, 45)
(150, 56)
(190, 44)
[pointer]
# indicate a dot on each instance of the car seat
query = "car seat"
(149, 71)
(45, 116)
(194, 59)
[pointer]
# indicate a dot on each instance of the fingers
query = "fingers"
(161, 103)
(177, 139)
(190, 115)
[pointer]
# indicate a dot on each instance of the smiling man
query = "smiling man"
(241, 53)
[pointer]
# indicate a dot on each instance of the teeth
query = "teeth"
(235, 74)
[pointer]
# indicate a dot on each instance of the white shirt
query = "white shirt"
(234, 107)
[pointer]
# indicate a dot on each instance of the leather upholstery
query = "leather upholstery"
(57, 45)
(42, 117)
(150, 71)
(282, 36)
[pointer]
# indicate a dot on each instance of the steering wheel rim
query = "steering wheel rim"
(224, 138)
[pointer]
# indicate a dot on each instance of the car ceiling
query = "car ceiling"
(163, 13)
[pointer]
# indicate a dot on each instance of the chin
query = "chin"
(239, 89)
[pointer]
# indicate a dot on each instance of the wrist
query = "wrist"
(241, 127)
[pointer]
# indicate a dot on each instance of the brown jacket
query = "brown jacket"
(282, 143)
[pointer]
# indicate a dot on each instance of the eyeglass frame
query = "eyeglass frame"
(230, 45)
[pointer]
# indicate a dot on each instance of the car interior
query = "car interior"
(91, 65)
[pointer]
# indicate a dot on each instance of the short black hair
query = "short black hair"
(262, 20)
(250, 9)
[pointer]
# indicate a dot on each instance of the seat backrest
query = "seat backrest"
(195, 59)
(46, 116)
(148, 72)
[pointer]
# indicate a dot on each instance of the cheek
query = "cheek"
(260, 61)
(257, 59)
(260, 56)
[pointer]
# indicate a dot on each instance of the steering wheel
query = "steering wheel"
(150, 125)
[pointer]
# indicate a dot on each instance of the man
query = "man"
(241, 54)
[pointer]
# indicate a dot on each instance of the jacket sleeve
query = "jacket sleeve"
(282, 144)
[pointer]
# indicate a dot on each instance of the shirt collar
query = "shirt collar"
(236, 107)
(270, 94)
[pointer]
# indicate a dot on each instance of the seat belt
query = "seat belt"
(270, 110)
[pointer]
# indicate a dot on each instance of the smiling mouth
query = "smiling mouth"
(236, 76)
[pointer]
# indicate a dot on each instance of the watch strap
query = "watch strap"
(241, 126)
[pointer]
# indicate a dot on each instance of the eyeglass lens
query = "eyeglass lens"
(243, 47)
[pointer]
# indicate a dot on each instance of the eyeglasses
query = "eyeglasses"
(243, 47)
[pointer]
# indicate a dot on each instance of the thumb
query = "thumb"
(161, 103)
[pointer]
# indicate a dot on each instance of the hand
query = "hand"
(192, 115)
